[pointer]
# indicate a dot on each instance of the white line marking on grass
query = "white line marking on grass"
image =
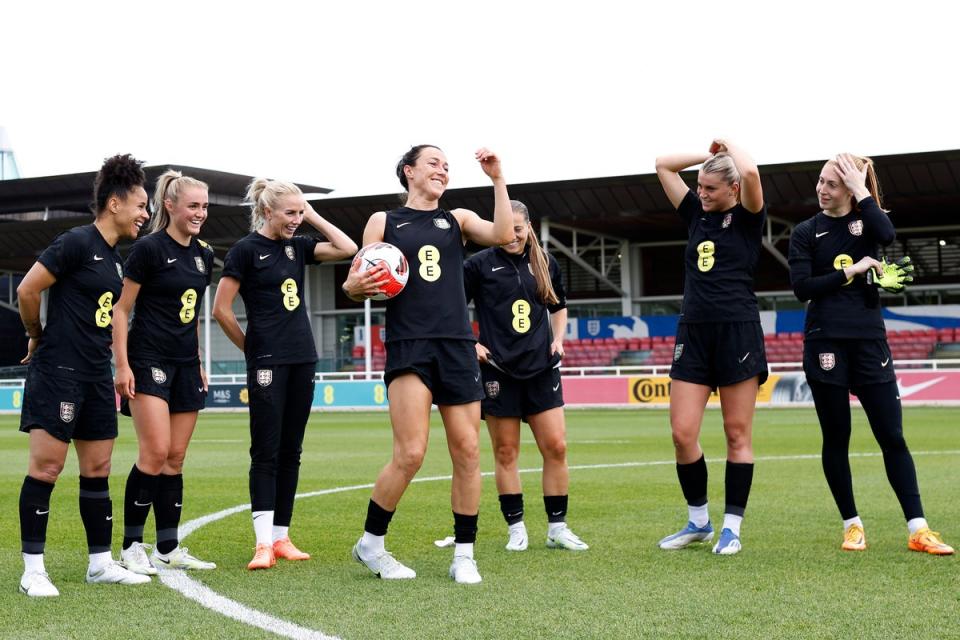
(179, 581)
(203, 595)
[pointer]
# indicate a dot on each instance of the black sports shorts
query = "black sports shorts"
(449, 368)
(69, 409)
(719, 354)
(848, 363)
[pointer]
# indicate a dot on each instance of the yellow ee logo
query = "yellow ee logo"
(429, 257)
(521, 316)
(188, 310)
(705, 259)
(104, 308)
(841, 262)
(290, 290)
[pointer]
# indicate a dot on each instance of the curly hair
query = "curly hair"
(117, 177)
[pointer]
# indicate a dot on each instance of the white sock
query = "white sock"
(553, 528)
(371, 545)
(263, 526)
(732, 522)
(854, 520)
(33, 562)
(99, 560)
(517, 526)
(699, 516)
(915, 524)
(464, 549)
(279, 533)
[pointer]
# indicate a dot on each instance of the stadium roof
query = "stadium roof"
(34, 210)
(919, 188)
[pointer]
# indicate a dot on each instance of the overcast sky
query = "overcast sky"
(332, 93)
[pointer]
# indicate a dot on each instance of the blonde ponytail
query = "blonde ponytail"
(168, 187)
(263, 194)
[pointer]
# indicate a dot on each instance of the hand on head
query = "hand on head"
(853, 178)
(718, 145)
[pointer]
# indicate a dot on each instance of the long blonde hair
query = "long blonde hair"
(168, 187)
(539, 262)
(263, 193)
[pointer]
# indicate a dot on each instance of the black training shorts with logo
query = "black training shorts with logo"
(69, 409)
(719, 354)
(449, 368)
(509, 397)
(848, 363)
(180, 385)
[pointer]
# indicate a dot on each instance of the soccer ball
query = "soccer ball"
(390, 257)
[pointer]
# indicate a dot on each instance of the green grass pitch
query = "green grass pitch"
(790, 581)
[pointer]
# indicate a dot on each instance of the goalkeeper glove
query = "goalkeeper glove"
(893, 276)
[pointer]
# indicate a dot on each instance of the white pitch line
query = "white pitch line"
(180, 582)
(198, 592)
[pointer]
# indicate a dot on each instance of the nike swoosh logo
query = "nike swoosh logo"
(171, 260)
(97, 258)
(159, 559)
(497, 268)
(178, 504)
(915, 388)
(200, 389)
(109, 517)
(265, 257)
(885, 362)
(555, 513)
(403, 224)
(744, 357)
(42, 513)
(514, 515)
(476, 377)
(138, 504)
(259, 515)
(823, 233)
(556, 387)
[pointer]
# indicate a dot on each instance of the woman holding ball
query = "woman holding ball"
(431, 358)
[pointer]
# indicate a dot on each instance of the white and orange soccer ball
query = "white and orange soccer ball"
(392, 259)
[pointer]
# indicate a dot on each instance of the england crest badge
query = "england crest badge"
(827, 361)
(727, 221)
(441, 223)
(202, 268)
(264, 377)
(493, 388)
(67, 411)
(856, 227)
(289, 251)
(677, 352)
(158, 375)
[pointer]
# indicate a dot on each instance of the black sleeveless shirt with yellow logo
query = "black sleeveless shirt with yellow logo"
(432, 305)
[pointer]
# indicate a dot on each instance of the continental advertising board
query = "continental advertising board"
(916, 387)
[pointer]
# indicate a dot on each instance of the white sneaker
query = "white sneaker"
(135, 559)
(566, 539)
(36, 584)
(113, 573)
(384, 565)
(518, 537)
(179, 558)
(464, 570)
